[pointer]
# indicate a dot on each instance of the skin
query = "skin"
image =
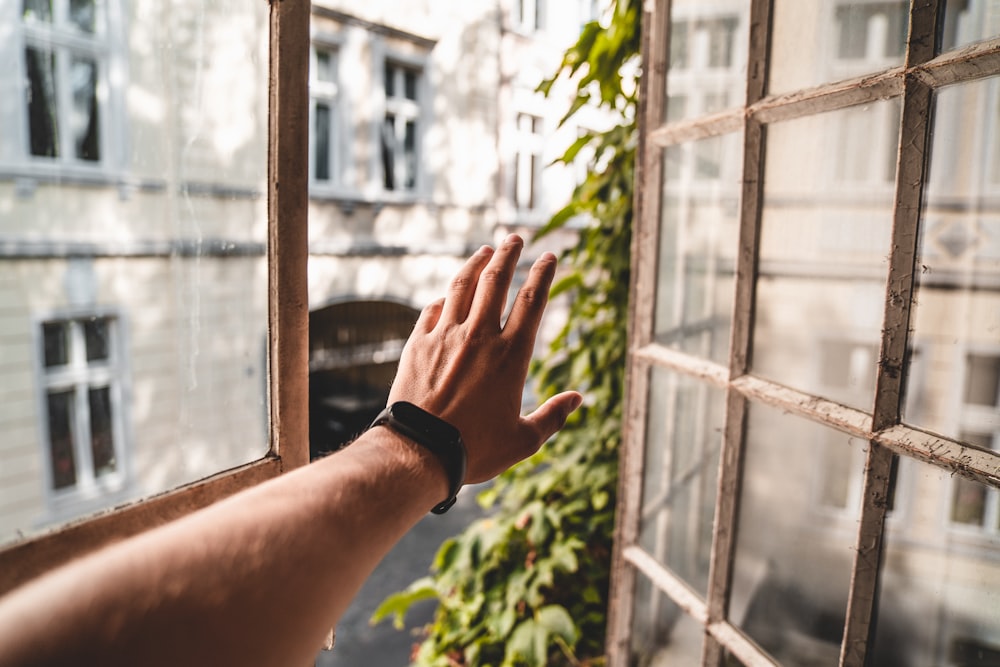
(259, 578)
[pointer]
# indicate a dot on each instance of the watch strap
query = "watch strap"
(434, 434)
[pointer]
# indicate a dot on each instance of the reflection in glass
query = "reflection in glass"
(698, 243)
(662, 634)
(683, 444)
(321, 140)
(829, 40)
(43, 123)
(967, 21)
(953, 385)
(794, 551)
(940, 587)
(707, 57)
(60, 423)
(324, 66)
(825, 235)
(141, 181)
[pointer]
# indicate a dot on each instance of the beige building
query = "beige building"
(133, 220)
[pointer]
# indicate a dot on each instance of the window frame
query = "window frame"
(288, 345)
(330, 93)
(914, 83)
(404, 110)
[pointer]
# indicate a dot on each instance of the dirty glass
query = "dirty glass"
(698, 244)
(824, 245)
(844, 39)
(940, 585)
(662, 634)
(707, 57)
(953, 384)
(683, 445)
(133, 308)
(795, 540)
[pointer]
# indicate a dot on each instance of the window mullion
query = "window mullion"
(655, 36)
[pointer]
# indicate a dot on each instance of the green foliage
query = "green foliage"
(528, 585)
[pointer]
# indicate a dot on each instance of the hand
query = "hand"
(462, 366)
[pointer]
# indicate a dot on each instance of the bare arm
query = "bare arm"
(259, 578)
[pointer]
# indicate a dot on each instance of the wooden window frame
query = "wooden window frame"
(914, 83)
(288, 328)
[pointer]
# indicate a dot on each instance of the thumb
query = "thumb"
(551, 415)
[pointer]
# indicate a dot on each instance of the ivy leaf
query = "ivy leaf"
(527, 644)
(557, 621)
(398, 604)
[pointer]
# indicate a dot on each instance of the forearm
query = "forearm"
(256, 579)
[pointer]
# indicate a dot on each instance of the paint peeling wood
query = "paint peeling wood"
(22, 561)
(973, 62)
(288, 247)
(695, 367)
(703, 127)
(910, 173)
(976, 464)
(819, 409)
(868, 549)
(669, 583)
(838, 95)
(748, 653)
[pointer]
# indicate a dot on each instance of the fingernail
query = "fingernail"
(512, 239)
(485, 250)
(577, 402)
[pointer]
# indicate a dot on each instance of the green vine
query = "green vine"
(528, 585)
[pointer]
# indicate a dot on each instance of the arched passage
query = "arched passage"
(354, 348)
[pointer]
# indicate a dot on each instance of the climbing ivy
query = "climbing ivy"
(528, 585)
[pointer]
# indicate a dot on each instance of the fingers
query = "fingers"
(532, 297)
(551, 415)
(429, 317)
(494, 281)
(462, 290)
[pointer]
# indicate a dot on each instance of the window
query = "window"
(65, 69)
(400, 135)
(529, 15)
(528, 162)
(83, 407)
(69, 249)
(324, 144)
(781, 311)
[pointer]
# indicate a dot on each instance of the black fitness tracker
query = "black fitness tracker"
(433, 433)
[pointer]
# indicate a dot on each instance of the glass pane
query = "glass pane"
(96, 338)
(825, 233)
(968, 21)
(410, 84)
(830, 40)
(324, 66)
(953, 384)
(134, 215)
(83, 14)
(699, 229)
(43, 123)
(794, 548)
(707, 57)
(940, 585)
(662, 634)
(56, 343)
(389, 75)
(102, 442)
(684, 441)
(389, 152)
(84, 119)
(37, 10)
(61, 409)
(410, 154)
(321, 143)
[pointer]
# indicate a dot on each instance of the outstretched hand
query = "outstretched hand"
(462, 364)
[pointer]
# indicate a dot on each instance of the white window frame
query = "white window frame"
(529, 16)
(527, 193)
(330, 94)
(404, 111)
(90, 492)
(106, 47)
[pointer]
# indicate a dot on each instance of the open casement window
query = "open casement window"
(78, 375)
(811, 471)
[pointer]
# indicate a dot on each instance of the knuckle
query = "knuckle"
(531, 296)
(461, 283)
(494, 276)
